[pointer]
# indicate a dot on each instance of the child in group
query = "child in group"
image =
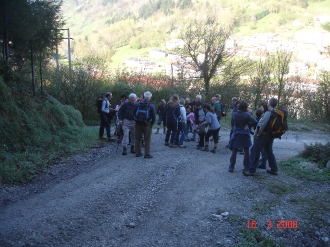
(191, 117)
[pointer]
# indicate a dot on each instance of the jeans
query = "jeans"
(245, 161)
(172, 129)
(266, 142)
(182, 128)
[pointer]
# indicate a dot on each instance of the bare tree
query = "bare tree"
(204, 48)
(280, 63)
(259, 79)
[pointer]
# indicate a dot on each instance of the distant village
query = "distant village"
(309, 45)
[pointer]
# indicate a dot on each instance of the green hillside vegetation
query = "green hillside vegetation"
(35, 130)
(109, 25)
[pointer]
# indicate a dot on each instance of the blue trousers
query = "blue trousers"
(266, 142)
(172, 129)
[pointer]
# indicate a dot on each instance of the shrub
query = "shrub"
(318, 153)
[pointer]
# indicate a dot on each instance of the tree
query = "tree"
(204, 48)
(280, 61)
(28, 32)
(259, 80)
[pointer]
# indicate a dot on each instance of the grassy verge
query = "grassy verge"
(34, 160)
(293, 168)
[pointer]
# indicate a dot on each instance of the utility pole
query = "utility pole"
(69, 50)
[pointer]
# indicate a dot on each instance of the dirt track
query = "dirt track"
(100, 198)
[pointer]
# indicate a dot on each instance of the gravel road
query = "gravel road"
(181, 197)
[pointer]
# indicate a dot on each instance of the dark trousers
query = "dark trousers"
(172, 129)
(263, 142)
(104, 124)
(145, 129)
(245, 161)
(214, 133)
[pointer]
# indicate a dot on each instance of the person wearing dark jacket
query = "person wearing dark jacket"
(161, 112)
(199, 119)
(144, 127)
(105, 110)
(126, 120)
(241, 135)
(172, 118)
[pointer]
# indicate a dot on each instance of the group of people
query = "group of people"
(136, 117)
(262, 149)
(178, 117)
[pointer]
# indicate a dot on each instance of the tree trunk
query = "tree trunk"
(32, 71)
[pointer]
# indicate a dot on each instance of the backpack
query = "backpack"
(142, 112)
(180, 117)
(278, 123)
(99, 102)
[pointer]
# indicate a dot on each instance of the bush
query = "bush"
(318, 153)
(33, 130)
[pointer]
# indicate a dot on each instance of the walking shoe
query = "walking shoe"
(213, 151)
(247, 173)
(172, 145)
(102, 138)
(124, 151)
(111, 140)
(157, 132)
(166, 144)
(205, 149)
(272, 172)
(132, 149)
(231, 169)
(148, 156)
(139, 154)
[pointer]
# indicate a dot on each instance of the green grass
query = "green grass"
(277, 188)
(314, 6)
(126, 52)
(26, 165)
(254, 238)
(292, 167)
(317, 208)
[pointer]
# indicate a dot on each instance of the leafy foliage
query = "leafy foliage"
(317, 152)
(262, 14)
(33, 130)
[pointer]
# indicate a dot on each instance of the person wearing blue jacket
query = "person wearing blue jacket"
(126, 120)
(241, 135)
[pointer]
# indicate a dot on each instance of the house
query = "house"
(298, 68)
(157, 54)
(176, 43)
(173, 58)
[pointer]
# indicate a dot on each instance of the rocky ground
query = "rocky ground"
(181, 197)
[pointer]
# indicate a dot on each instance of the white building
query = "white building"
(157, 54)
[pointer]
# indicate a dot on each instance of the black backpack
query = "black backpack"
(142, 113)
(278, 123)
(99, 102)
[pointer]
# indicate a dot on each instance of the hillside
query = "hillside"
(139, 26)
